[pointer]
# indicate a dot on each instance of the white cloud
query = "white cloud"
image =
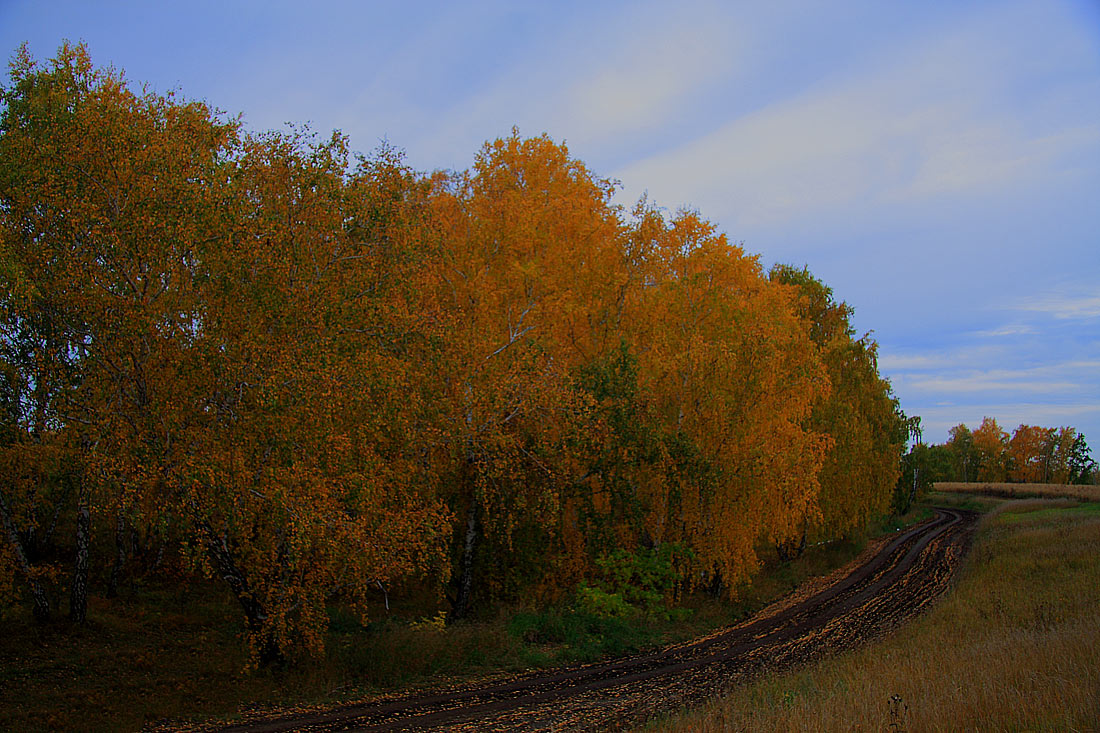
(1016, 329)
(1064, 307)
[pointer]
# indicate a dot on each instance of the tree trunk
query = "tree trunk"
(461, 604)
(715, 587)
(255, 614)
(41, 601)
(791, 549)
(78, 593)
(120, 555)
(913, 491)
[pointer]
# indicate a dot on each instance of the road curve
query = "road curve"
(900, 580)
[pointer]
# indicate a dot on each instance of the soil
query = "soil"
(895, 583)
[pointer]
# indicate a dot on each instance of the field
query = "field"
(1014, 647)
(1022, 491)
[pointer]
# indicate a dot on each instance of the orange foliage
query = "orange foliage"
(311, 375)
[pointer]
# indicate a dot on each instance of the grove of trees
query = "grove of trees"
(1031, 455)
(988, 454)
(313, 374)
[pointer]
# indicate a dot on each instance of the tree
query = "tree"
(523, 270)
(731, 376)
(1025, 454)
(990, 448)
(1081, 466)
(963, 458)
(860, 416)
(103, 194)
(215, 313)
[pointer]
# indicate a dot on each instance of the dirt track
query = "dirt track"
(907, 574)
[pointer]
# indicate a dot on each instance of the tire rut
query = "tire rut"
(901, 580)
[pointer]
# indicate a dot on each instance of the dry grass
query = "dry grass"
(1014, 647)
(1022, 491)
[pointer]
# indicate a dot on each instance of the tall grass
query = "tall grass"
(1013, 647)
(1022, 491)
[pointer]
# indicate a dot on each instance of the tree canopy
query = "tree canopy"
(312, 373)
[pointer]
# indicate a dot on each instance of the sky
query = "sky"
(936, 163)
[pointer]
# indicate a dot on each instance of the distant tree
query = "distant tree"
(991, 450)
(1025, 454)
(915, 478)
(1082, 468)
(963, 456)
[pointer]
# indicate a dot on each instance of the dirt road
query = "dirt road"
(902, 578)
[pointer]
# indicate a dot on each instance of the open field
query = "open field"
(1014, 647)
(1022, 491)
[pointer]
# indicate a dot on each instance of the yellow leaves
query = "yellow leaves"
(324, 369)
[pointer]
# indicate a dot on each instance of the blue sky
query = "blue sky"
(936, 163)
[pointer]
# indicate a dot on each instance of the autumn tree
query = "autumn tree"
(310, 480)
(860, 416)
(219, 356)
(730, 375)
(102, 194)
(990, 449)
(523, 266)
(1025, 454)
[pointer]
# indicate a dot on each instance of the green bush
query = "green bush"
(635, 582)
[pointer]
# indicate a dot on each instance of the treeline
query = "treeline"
(314, 375)
(1031, 454)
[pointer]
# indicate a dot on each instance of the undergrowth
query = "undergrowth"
(171, 652)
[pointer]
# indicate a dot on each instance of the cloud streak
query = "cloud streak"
(1064, 307)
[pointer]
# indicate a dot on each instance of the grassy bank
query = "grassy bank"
(1013, 647)
(171, 650)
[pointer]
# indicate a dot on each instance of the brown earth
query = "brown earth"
(898, 581)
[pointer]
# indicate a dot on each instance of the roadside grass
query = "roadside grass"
(169, 652)
(1014, 646)
(972, 502)
(1083, 492)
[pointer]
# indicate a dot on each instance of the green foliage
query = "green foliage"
(632, 583)
(598, 602)
(1082, 469)
(581, 636)
(921, 467)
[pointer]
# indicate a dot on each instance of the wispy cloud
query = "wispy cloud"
(1016, 329)
(989, 382)
(643, 82)
(937, 420)
(939, 359)
(1065, 307)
